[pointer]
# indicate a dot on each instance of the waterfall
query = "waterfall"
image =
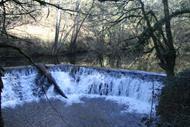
(24, 84)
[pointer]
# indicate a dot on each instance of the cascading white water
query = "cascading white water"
(24, 83)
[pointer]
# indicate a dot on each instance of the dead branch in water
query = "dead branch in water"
(41, 68)
(47, 74)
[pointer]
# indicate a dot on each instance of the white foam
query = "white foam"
(134, 92)
(132, 105)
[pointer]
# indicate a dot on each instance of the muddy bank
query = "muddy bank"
(96, 112)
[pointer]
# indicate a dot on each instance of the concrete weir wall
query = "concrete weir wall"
(24, 84)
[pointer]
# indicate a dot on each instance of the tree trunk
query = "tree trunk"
(57, 28)
(165, 50)
(171, 53)
(1, 117)
(42, 69)
(74, 35)
(1, 88)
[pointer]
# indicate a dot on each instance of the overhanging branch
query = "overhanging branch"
(40, 67)
(145, 34)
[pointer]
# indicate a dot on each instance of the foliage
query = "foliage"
(174, 103)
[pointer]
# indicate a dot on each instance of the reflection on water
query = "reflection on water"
(89, 59)
(122, 61)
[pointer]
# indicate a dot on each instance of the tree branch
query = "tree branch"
(40, 67)
(145, 34)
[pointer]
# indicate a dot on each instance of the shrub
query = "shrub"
(174, 103)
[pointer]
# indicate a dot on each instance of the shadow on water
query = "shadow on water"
(117, 61)
(88, 59)
(91, 113)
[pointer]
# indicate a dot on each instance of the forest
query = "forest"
(128, 43)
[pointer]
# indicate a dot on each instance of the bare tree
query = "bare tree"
(78, 23)
(75, 29)
(153, 31)
(57, 29)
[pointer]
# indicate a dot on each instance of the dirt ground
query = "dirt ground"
(95, 112)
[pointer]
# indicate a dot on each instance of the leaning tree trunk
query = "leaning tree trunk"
(44, 71)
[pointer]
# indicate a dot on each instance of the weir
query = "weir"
(22, 84)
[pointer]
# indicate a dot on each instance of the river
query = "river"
(96, 93)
